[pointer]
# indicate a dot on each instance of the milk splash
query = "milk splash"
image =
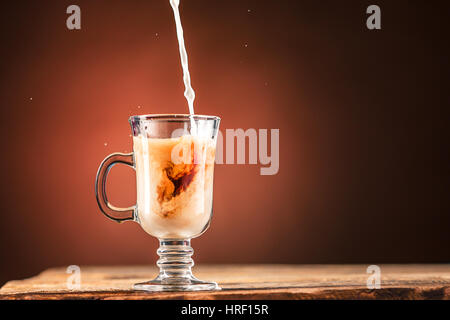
(188, 92)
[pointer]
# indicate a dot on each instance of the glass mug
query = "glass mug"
(173, 156)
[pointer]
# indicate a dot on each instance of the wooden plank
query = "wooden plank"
(244, 282)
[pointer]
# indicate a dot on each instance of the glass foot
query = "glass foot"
(175, 273)
(173, 284)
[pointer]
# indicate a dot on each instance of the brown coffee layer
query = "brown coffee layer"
(176, 179)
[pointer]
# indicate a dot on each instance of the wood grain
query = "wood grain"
(244, 282)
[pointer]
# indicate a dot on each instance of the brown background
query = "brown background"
(362, 117)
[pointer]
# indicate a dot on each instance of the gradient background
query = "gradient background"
(362, 116)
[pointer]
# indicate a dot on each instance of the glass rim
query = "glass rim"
(172, 116)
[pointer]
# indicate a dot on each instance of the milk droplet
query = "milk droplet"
(246, 45)
(31, 98)
(106, 143)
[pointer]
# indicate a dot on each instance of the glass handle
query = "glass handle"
(112, 212)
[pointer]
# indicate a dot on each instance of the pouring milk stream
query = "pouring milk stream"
(188, 92)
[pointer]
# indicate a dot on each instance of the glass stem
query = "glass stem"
(175, 260)
(175, 264)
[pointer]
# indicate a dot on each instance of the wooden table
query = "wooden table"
(245, 282)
